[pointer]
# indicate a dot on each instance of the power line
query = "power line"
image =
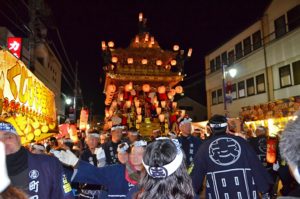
(16, 25)
(64, 50)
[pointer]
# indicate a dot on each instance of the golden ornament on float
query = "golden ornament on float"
(37, 132)
(45, 128)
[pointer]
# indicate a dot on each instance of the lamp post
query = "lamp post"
(232, 72)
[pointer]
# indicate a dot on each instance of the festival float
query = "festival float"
(141, 82)
(25, 101)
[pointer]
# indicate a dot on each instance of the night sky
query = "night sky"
(201, 25)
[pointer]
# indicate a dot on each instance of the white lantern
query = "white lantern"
(174, 105)
(175, 47)
(158, 62)
(161, 89)
(137, 103)
(128, 103)
(146, 37)
(120, 97)
(163, 104)
(130, 60)
(111, 88)
(111, 44)
(128, 87)
(190, 52)
(139, 118)
(144, 61)
(140, 17)
(137, 39)
(161, 117)
(139, 110)
(103, 45)
(173, 62)
(146, 88)
(152, 40)
(179, 89)
(158, 110)
(114, 59)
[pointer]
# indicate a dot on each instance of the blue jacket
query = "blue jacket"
(190, 146)
(112, 177)
(231, 167)
(46, 178)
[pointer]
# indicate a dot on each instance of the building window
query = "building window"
(212, 66)
(224, 58)
(256, 38)
(218, 63)
(285, 76)
(247, 45)
(233, 92)
(230, 57)
(220, 96)
(238, 50)
(260, 83)
(214, 97)
(250, 87)
(241, 89)
(280, 28)
(293, 16)
(296, 72)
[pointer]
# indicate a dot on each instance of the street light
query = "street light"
(232, 72)
(68, 101)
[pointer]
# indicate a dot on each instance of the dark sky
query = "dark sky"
(201, 25)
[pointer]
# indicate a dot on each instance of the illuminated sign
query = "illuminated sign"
(84, 115)
(14, 44)
(19, 84)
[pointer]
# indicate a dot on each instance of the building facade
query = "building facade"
(47, 67)
(266, 56)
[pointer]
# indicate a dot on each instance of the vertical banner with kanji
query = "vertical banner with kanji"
(14, 45)
(84, 115)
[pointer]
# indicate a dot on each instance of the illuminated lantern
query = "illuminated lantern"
(103, 45)
(271, 150)
(130, 60)
(163, 104)
(137, 39)
(114, 103)
(120, 97)
(128, 103)
(161, 89)
(168, 67)
(152, 40)
(30, 136)
(140, 17)
(133, 92)
(146, 37)
(146, 88)
(111, 44)
(175, 47)
(45, 129)
(111, 88)
(158, 62)
(144, 61)
(190, 52)
(139, 118)
(158, 110)
(139, 110)
(179, 89)
(137, 103)
(173, 62)
(37, 132)
(170, 96)
(114, 59)
(161, 117)
(174, 105)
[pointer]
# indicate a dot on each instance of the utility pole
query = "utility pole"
(75, 89)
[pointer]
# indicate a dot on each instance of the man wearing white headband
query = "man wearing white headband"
(289, 146)
(164, 163)
(117, 178)
(38, 149)
(133, 135)
(189, 143)
(40, 176)
(230, 165)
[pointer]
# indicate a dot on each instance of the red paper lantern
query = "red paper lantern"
(271, 150)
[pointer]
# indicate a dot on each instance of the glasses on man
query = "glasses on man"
(7, 136)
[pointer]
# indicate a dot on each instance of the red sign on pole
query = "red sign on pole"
(14, 44)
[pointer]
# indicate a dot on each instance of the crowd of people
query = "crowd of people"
(224, 163)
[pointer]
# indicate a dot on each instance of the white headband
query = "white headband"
(218, 125)
(166, 170)
(38, 147)
(124, 148)
(185, 121)
(117, 127)
(7, 127)
(140, 143)
(96, 135)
